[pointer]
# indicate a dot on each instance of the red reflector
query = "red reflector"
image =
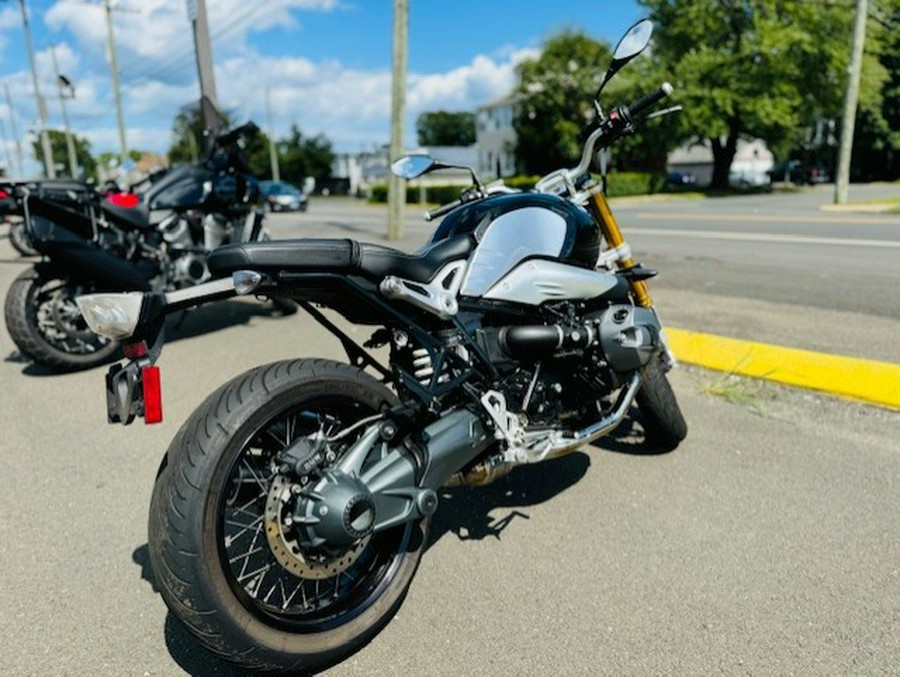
(3, 195)
(135, 350)
(152, 395)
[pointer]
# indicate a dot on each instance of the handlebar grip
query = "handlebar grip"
(440, 211)
(646, 102)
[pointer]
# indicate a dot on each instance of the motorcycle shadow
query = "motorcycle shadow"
(465, 512)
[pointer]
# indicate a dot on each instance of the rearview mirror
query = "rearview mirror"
(411, 166)
(629, 46)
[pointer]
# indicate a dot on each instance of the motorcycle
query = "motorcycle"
(292, 508)
(90, 242)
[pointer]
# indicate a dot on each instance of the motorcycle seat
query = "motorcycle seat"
(137, 218)
(342, 256)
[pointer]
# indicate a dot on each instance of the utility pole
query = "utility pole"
(62, 84)
(117, 96)
(209, 103)
(851, 98)
(15, 131)
(396, 186)
(6, 148)
(273, 151)
(49, 167)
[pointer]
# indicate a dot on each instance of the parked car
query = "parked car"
(746, 179)
(798, 172)
(681, 179)
(282, 196)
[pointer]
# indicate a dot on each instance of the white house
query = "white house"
(751, 162)
(495, 137)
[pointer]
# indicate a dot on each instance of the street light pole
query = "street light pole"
(15, 131)
(61, 84)
(209, 103)
(851, 98)
(273, 151)
(6, 146)
(49, 167)
(396, 186)
(117, 96)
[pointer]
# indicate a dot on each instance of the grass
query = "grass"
(738, 391)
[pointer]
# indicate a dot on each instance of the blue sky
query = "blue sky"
(326, 62)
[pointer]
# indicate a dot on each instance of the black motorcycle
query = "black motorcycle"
(89, 244)
(292, 508)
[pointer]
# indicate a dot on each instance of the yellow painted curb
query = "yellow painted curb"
(866, 380)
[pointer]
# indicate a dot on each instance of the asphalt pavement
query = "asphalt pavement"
(766, 544)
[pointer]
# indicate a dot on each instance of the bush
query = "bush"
(441, 194)
(620, 184)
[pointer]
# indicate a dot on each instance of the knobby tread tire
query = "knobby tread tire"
(21, 323)
(664, 424)
(182, 540)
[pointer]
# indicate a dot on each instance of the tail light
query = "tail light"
(152, 395)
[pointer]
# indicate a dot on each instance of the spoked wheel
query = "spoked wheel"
(233, 538)
(47, 326)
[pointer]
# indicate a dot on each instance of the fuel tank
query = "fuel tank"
(511, 229)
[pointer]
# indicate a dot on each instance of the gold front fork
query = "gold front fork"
(613, 236)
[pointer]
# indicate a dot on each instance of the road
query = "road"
(766, 544)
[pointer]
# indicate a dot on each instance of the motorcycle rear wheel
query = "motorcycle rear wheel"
(663, 422)
(209, 527)
(46, 325)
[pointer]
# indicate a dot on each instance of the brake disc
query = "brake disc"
(285, 545)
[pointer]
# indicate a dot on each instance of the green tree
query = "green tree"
(876, 142)
(754, 68)
(555, 106)
(86, 161)
(301, 157)
(442, 128)
(189, 138)
(555, 93)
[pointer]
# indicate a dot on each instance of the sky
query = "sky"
(326, 63)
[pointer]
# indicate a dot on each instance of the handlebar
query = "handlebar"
(618, 121)
(645, 102)
(443, 209)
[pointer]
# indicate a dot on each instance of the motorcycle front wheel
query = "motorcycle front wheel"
(230, 565)
(45, 323)
(663, 422)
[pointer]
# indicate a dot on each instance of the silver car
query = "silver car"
(282, 196)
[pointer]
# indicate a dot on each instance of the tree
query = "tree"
(302, 157)
(757, 68)
(190, 142)
(442, 128)
(555, 93)
(555, 107)
(85, 160)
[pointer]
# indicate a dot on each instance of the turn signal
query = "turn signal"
(152, 395)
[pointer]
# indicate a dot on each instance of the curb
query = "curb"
(858, 379)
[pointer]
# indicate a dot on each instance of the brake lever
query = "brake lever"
(664, 111)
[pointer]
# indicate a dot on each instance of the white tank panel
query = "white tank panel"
(534, 282)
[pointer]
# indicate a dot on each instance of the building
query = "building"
(752, 161)
(495, 138)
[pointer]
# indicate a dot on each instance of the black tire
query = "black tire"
(664, 424)
(200, 515)
(46, 325)
(18, 238)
